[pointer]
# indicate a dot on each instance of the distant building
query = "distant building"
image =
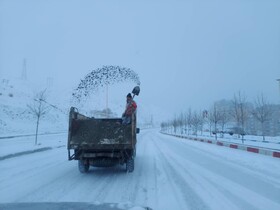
(271, 127)
(252, 126)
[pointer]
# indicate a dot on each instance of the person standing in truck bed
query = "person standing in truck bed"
(130, 109)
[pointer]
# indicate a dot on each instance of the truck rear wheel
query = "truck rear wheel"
(134, 152)
(83, 167)
(130, 165)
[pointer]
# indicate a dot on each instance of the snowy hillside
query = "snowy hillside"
(16, 94)
(16, 118)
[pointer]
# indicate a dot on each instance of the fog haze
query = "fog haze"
(187, 53)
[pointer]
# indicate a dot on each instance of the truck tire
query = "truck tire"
(130, 165)
(83, 167)
(134, 152)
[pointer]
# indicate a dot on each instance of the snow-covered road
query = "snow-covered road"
(170, 173)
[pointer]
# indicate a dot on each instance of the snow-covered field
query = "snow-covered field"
(170, 173)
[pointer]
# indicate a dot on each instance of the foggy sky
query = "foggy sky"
(187, 53)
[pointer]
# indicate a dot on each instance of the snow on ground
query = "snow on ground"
(27, 143)
(170, 173)
(249, 140)
(15, 117)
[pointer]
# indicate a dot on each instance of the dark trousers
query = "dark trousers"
(126, 120)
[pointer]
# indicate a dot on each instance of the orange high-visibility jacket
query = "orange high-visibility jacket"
(130, 108)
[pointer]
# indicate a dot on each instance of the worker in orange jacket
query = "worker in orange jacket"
(130, 109)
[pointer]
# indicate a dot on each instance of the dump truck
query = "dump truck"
(101, 142)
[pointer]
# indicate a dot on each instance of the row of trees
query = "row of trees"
(215, 120)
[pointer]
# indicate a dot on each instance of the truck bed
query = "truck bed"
(101, 142)
(102, 134)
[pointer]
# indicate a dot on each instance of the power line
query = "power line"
(53, 106)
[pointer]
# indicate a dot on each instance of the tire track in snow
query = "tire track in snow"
(198, 183)
(217, 182)
(49, 180)
(111, 178)
(29, 170)
(180, 187)
(51, 189)
(132, 188)
(151, 186)
(203, 150)
(64, 187)
(34, 165)
(89, 186)
(270, 185)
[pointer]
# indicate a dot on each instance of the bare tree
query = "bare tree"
(181, 122)
(240, 113)
(201, 122)
(185, 121)
(38, 108)
(225, 118)
(262, 112)
(164, 126)
(175, 123)
(205, 117)
(208, 121)
(189, 120)
(197, 122)
(215, 117)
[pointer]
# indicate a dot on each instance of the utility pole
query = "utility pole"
(107, 111)
(278, 80)
(49, 82)
(23, 73)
